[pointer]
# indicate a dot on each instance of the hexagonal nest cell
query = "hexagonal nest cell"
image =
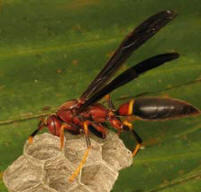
(44, 167)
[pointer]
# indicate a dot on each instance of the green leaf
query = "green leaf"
(51, 50)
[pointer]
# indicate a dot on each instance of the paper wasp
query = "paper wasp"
(86, 115)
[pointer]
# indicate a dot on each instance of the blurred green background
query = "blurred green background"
(51, 50)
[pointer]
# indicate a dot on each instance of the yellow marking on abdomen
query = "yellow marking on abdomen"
(130, 106)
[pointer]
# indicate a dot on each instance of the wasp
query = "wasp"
(86, 114)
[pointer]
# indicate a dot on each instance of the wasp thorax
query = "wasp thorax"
(69, 104)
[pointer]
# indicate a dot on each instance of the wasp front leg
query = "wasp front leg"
(41, 125)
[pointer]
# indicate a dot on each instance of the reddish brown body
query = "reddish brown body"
(150, 108)
(95, 115)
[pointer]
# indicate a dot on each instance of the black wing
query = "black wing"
(129, 75)
(134, 40)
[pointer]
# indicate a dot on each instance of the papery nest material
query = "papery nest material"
(43, 167)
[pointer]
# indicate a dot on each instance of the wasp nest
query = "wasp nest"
(43, 167)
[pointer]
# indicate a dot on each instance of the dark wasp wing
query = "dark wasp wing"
(129, 75)
(133, 41)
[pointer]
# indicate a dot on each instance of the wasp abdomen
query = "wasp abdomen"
(155, 108)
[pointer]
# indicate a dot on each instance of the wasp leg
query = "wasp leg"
(139, 143)
(63, 126)
(129, 126)
(62, 136)
(98, 129)
(84, 158)
(40, 126)
(69, 127)
(114, 120)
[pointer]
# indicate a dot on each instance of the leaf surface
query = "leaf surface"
(51, 50)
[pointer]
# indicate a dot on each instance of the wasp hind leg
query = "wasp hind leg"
(129, 126)
(139, 143)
